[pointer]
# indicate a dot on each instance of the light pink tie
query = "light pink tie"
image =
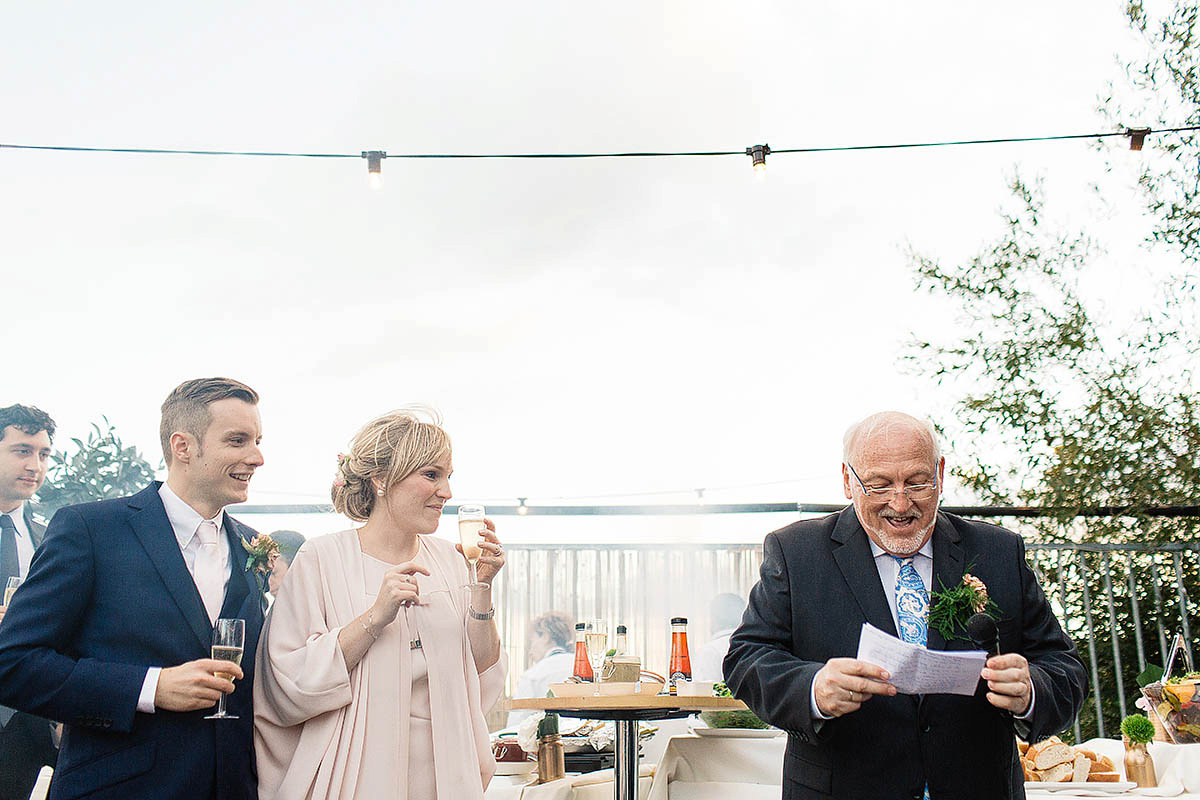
(207, 570)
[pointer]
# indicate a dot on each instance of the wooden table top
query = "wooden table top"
(640, 702)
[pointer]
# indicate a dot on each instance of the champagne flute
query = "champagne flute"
(470, 533)
(228, 639)
(595, 638)
(13, 583)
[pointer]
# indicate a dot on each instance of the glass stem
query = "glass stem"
(221, 705)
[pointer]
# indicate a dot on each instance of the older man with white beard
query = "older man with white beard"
(851, 735)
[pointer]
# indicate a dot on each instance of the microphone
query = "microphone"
(984, 633)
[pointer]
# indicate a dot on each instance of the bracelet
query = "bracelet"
(366, 626)
(485, 616)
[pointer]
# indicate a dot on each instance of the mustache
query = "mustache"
(889, 513)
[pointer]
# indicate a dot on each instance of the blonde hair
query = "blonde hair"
(387, 450)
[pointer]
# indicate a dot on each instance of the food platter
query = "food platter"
(1079, 787)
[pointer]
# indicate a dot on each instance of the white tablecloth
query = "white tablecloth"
(720, 768)
(589, 786)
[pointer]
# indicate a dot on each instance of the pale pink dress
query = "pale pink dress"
(406, 724)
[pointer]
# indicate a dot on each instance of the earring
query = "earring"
(379, 492)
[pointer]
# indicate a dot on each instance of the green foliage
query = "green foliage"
(730, 719)
(100, 468)
(1138, 728)
(951, 608)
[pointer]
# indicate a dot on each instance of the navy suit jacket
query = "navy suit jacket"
(107, 596)
(818, 585)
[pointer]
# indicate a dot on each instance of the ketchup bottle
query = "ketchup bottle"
(583, 668)
(681, 663)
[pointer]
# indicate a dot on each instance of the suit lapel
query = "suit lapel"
(36, 529)
(153, 530)
(241, 582)
(948, 568)
(852, 554)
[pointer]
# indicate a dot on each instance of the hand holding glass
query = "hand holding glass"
(228, 639)
(13, 583)
(470, 531)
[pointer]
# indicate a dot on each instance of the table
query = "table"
(720, 767)
(626, 711)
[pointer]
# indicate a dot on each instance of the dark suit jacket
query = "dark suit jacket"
(818, 586)
(109, 595)
(26, 743)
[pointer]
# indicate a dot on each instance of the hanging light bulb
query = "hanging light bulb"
(522, 509)
(1137, 136)
(758, 157)
(374, 167)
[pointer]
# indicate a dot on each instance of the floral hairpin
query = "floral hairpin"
(340, 480)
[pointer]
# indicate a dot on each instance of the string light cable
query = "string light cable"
(758, 153)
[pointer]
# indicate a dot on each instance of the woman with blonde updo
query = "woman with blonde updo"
(375, 668)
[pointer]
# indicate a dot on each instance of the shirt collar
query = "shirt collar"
(926, 549)
(183, 518)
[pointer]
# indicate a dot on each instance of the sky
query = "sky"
(594, 329)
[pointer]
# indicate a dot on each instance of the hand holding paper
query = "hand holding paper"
(916, 670)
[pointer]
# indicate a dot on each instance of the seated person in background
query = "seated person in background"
(724, 614)
(549, 645)
(289, 542)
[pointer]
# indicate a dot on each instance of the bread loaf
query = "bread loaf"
(1104, 777)
(1050, 754)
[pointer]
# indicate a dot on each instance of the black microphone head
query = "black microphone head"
(983, 631)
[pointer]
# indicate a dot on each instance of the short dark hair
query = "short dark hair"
(27, 419)
(186, 407)
(289, 543)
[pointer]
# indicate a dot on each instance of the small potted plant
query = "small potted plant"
(731, 719)
(1137, 730)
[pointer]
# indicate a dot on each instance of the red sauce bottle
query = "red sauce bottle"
(583, 668)
(680, 668)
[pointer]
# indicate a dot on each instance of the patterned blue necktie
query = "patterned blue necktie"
(912, 608)
(912, 603)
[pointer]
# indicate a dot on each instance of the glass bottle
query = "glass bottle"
(622, 643)
(680, 668)
(583, 669)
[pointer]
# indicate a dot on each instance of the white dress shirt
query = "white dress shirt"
(24, 541)
(184, 521)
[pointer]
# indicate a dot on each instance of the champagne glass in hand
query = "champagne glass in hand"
(470, 532)
(595, 638)
(229, 636)
(11, 588)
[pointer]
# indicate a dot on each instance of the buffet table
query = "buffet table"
(626, 711)
(1177, 767)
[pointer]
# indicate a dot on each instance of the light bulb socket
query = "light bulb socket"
(758, 155)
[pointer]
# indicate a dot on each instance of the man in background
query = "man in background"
(289, 544)
(26, 742)
(549, 644)
(724, 614)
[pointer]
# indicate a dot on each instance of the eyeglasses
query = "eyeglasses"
(920, 491)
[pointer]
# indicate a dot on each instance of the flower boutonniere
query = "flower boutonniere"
(262, 552)
(951, 608)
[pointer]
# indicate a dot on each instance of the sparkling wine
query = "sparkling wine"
(8, 593)
(470, 532)
(223, 653)
(597, 645)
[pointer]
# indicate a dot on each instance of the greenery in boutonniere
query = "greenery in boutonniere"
(262, 552)
(950, 609)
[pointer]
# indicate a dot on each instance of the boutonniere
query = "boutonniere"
(262, 552)
(950, 609)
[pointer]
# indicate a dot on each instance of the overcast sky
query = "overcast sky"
(587, 328)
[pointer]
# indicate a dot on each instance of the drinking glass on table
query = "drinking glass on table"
(13, 583)
(595, 638)
(470, 532)
(228, 639)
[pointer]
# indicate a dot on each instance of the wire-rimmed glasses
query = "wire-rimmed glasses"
(885, 494)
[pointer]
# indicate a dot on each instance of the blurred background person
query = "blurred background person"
(375, 643)
(289, 544)
(724, 615)
(26, 743)
(550, 645)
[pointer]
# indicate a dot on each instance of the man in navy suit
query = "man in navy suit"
(111, 631)
(26, 741)
(850, 734)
